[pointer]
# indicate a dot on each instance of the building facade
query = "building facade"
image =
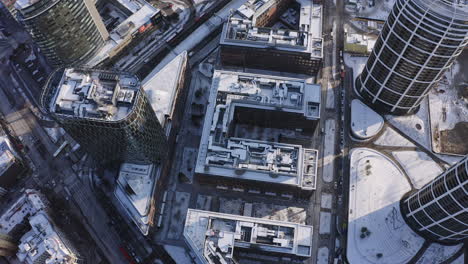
(107, 113)
(439, 210)
(417, 44)
(68, 32)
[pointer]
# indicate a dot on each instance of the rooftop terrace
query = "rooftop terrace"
(221, 154)
(216, 237)
(95, 94)
(241, 29)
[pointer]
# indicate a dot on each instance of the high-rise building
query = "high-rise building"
(107, 113)
(439, 210)
(419, 41)
(68, 31)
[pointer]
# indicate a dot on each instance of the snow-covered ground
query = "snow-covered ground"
(325, 223)
(449, 158)
(365, 122)
(326, 201)
(329, 151)
(380, 10)
(419, 167)
(322, 255)
(437, 253)
(356, 63)
(460, 260)
(446, 107)
(392, 138)
(178, 254)
(415, 126)
(377, 232)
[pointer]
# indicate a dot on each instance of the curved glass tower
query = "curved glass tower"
(67, 31)
(419, 41)
(439, 210)
(107, 113)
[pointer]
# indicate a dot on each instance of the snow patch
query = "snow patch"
(391, 138)
(325, 223)
(365, 122)
(420, 168)
(437, 253)
(377, 232)
(415, 126)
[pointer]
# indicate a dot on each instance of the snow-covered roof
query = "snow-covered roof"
(223, 155)
(44, 241)
(162, 88)
(94, 94)
(214, 237)
(243, 31)
(365, 122)
(135, 189)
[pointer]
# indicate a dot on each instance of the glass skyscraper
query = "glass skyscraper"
(419, 41)
(439, 210)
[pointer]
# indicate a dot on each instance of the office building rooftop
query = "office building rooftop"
(135, 189)
(43, 242)
(95, 94)
(222, 154)
(243, 28)
(217, 238)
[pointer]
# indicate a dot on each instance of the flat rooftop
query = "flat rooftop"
(223, 155)
(95, 94)
(43, 240)
(216, 237)
(135, 189)
(28, 204)
(241, 29)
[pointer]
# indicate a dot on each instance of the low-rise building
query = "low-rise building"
(40, 241)
(249, 40)
(225, 238)
(258, 100)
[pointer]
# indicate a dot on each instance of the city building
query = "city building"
(128, 23)
(40, 240)
(107, 113)
(11, 165)
(419, 41)
(438, 211)
(136, 186)
(238, 99)
(225, 238)
(68, 32)
(249, 38)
